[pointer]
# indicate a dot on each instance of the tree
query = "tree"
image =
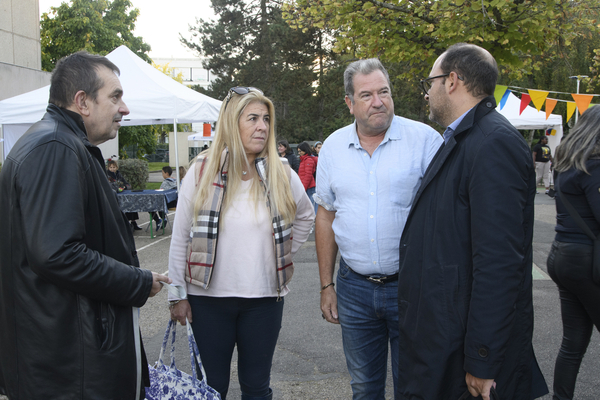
(97, 26)
(251, 45)
(417, 32)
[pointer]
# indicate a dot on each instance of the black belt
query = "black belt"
(377, 279)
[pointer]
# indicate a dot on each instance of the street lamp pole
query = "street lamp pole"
(579, 79)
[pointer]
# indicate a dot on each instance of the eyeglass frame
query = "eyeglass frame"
(241, 90)
(425, 81)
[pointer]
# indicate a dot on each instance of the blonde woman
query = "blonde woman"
(242, 214)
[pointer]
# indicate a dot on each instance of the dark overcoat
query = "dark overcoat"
(69, 273)
(465, 279)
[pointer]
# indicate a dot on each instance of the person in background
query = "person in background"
(317, 148)
(168, 183)
(182, 172)
(572, 254)
(284, 150)
(119, 183)
(465, 277)
(244, 203)
(307, 170)
(368, 174)
(542, 157)
(70, 279)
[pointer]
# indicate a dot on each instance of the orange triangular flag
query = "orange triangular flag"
(538, 97)
(525, 99)
(583, 101)
(550, 104)
(570, 109)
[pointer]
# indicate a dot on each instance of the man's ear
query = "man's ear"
(349, 104)
(80, 103)
(453, 81)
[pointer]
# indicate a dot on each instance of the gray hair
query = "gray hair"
(363, 67)
(581, 144)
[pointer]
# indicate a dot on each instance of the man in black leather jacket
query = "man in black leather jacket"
(70, 280)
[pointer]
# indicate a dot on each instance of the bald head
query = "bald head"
(475, 65)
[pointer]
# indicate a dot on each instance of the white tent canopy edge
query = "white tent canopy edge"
(151, 96)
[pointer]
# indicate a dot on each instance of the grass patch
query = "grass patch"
(157, 166)
(153, 185)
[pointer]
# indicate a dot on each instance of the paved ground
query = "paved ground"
(309, 361)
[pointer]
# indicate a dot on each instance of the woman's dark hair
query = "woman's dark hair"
(474, 65)
(75, 72)
(112, 162)
(305, 147)
(285, 144)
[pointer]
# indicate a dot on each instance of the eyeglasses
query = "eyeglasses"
(426, 83)
(241, 90)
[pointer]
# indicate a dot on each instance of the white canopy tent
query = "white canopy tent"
(531, 118)
(151, 96)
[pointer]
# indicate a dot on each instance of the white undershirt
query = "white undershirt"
(245, 261)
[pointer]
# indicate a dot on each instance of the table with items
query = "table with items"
(149, 201)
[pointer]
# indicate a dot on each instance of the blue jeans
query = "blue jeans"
(221, 323)
(368, 314)
(309, 193)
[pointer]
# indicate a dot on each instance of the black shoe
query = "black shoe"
(159, 224)
(135, 226)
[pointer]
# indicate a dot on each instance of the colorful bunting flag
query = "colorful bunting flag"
(538, 97)
(525, 100)
(504, 99)
(499, 94)
(550, 104)
(570, 109)
(550, 132)
(583, 101)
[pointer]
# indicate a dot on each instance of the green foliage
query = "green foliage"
(135, 171)
(416, 33)
(97, 26)
(251, 45)
(145, 137)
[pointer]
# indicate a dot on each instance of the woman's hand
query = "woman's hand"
(180, 311)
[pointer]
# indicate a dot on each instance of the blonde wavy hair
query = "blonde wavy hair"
(227, 135)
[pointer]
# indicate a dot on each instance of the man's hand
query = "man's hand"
(479, 386)
(329, 305)
(156, 285)
(180, 311)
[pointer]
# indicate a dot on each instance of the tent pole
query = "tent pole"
(176, 152)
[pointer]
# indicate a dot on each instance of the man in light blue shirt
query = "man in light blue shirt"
(367, 177)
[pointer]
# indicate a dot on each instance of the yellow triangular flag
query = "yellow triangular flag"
(570, 109)
(550, 104)
(538, 97)
(499, 92)
(583, 101)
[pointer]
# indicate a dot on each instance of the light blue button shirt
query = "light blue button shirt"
(452, 127)
(372, 195)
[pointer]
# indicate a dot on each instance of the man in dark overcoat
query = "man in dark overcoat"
(465, 278)
(70, 281)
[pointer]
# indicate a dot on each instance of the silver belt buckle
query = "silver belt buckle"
(376, 280)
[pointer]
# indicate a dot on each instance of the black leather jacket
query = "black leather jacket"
(69, 273)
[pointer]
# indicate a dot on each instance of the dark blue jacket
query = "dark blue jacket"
(465, 279)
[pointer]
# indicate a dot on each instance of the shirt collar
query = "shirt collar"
(392, 133)
(449, 132)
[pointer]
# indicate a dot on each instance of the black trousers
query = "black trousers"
(570, 267)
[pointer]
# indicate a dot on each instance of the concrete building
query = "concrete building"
(191, 68)
(20, 50)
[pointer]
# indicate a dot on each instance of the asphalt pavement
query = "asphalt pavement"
(309, 360)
